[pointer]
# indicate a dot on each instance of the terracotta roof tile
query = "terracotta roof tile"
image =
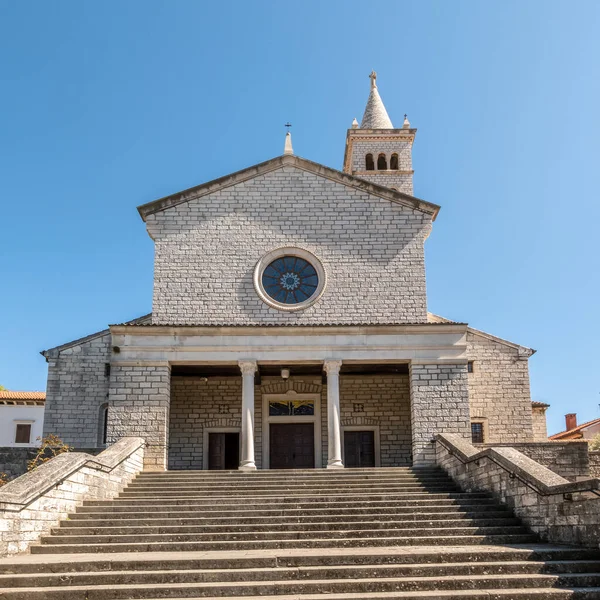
(10, 395)
(558, 436)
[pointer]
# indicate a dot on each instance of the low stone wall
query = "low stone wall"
(567, 459)
(557, 510)
(35, 502)
(13, 461)
(595, 464)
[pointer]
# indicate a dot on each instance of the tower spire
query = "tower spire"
(375, 116)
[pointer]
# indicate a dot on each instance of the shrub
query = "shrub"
(3, 479)
(595, 443)
(50, 447)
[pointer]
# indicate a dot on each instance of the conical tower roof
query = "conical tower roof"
(375, 116)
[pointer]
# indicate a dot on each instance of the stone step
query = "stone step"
(289, 485)
(115, 577)
(351, 499)
(137, 520)
(278, 491)
(51, 547)
(293, 472)
(301, 508)
(68, 537)
(297, 558)
(252, 479)
(312, 586)
(230, 528)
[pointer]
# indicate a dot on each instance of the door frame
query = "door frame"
(267, 420)
(205, 443)
(376, 442)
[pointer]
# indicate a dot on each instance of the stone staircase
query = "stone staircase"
(297, 535)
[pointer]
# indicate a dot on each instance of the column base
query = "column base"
(247, 467)
(335, 465)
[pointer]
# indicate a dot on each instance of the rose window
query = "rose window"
(290, 280)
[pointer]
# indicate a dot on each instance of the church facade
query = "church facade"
(289, 327)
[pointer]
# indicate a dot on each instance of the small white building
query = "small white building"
(21, 418)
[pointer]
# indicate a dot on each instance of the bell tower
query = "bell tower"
(377, 152)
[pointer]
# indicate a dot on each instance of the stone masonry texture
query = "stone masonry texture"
(556, 519)
(139, 400)
(539, 424)
(382, 401)
(570, 460)
(371, 248)
(200, 404)
(21, 525)
(440, 404)
(76, 390)
(499, 390)
(402, 179)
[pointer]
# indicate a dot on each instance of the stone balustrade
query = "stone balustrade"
(35, 502)
(557, 510)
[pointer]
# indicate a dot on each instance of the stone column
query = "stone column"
(139, 400)
(439, 403)
(334, 431)
(248, 368)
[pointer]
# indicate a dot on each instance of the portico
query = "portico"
(232, 375)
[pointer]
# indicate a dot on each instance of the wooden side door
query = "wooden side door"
(216, 451)
(359, 449)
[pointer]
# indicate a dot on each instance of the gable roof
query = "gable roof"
(575, 430)
(92, 336)
(279, 162)
(523, 350)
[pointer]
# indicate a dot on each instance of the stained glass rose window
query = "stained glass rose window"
(290, 280)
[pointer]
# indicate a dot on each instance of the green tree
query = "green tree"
(2, 388)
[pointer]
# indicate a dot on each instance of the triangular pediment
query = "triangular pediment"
(280, 162)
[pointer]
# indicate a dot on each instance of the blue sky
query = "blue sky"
(108, 105)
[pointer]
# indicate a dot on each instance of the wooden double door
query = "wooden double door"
(292, 445)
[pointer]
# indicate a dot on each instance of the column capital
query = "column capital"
(247, 367)
(332, 367)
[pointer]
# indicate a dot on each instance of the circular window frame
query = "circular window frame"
(268, 258)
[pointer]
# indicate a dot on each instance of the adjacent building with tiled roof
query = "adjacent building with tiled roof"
(573, 431)
(21, 418)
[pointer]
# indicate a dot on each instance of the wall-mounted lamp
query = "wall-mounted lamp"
(285, 374)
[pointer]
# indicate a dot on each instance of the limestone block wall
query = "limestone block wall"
(539, 424)
(557, 510)
(439, 404)
(198, 404)
(499, 389)
(35, 502)
(378, 145)
(570, 460)
(139, 400)
(13, 461)
(594, 458)
(77, 388)
(371, 248)
(382, 401)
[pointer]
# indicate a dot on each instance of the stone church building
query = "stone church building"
(289, 328)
